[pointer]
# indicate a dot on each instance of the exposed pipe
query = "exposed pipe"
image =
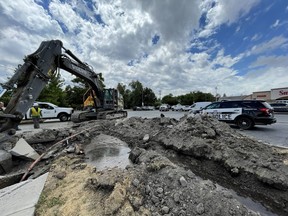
(51, 147)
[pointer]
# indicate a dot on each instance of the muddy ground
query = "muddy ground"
(194, 166)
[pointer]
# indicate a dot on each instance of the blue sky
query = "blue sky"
(170, 46)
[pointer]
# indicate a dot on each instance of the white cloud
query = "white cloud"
(256, 37)
(224, 12)
(268, 46)
(271, 61)
(276, 24)
(127, 35)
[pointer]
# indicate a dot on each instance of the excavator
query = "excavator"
(30, 78)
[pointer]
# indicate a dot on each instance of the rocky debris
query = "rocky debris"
(205, 145)
(5, 162)
(24, 150)
(179, 168)
(137, 190)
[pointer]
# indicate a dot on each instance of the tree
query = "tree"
(169, 99)
(53, 92)
(136, 95)
(149, 98)
(75, 94)
(125, 93)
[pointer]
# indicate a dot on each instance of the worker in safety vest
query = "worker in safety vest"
(36, 114)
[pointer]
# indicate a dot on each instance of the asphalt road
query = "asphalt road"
(276, 134)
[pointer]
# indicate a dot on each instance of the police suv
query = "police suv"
(244, 113)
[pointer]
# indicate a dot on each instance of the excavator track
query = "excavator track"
(82, 116)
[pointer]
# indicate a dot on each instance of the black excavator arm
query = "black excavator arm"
(31, 77)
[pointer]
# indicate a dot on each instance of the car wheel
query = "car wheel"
(245, 123)
(63, 117)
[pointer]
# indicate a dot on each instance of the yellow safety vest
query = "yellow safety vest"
(35, 113)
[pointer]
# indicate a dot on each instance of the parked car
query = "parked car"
(197, 107)
(279, 107)
(177, 107)
(148, 108)
(137, 108)
(244, 113)
(52, 111)
(164, 107)
(186, 108)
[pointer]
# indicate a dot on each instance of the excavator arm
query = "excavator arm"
(31, 77)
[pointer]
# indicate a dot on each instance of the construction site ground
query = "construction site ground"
(194, 165)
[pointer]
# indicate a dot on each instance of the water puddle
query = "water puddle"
(251, 204)
(106, 152)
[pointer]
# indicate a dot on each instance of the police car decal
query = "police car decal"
(225, 114)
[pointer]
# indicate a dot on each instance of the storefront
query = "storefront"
(279, 94)
(262, 95)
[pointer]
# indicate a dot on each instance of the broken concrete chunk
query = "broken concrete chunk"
(24, 150)
(21, 198)
(5, 162)
(146, 138)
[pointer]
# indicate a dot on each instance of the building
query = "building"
(241, 97)
(279, 94)
(274, 95)
(261, 95)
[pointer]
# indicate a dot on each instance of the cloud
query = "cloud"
(256, 37)
(276, 24)
(221, 12)
(268, 46)
(271, 61)
(108, 34)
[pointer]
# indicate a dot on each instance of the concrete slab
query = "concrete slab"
(20, 199)
(24, 150)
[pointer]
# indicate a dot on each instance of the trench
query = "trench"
(245, 187)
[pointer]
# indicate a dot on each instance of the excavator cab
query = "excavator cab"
(110, 101)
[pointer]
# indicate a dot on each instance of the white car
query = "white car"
(164, 107)
(198, 106)
(177, 107)
(51, 111)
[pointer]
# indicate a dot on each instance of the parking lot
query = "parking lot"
(275, 134)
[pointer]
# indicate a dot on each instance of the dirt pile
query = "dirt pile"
(187, 167)
(213, 150)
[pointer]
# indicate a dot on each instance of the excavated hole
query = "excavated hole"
(244, 186)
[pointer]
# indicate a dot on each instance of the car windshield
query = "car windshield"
(213, 106)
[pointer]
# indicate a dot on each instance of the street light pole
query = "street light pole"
(142, 99)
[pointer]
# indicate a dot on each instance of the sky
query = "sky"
(171, 46)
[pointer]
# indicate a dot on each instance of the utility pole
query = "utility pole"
(216, 88)
(142, 97)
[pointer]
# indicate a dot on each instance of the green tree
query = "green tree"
(125, 93)
(149, 97)
(136, 95)
(53, 91)
(169, 99)
(76, 93)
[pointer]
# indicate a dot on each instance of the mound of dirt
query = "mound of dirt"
(194, 166)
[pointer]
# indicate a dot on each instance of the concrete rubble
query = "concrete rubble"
(20, 199)
(24, 150)
(194, 166)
